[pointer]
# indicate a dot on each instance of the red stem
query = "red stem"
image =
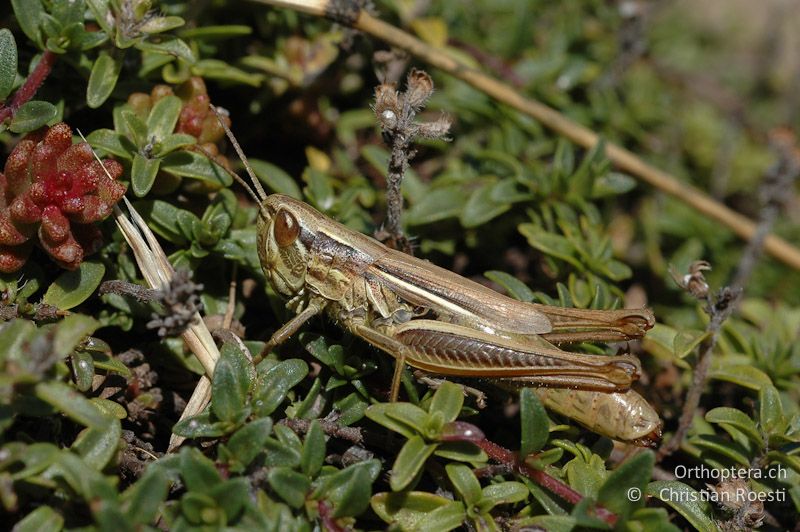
(465, 432)
(31, 85)
(326, 516)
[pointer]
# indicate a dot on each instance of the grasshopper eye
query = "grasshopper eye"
(286, 228)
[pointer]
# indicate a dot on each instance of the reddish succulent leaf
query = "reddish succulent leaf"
(54, 188)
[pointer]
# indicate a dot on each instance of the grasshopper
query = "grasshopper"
(440, 322)
(437, 321)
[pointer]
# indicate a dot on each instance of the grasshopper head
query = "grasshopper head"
(285, 234)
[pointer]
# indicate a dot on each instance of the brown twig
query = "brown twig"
(719, 310)
(34, 311)
(396, 112)
(30, 86)
(124, 288)
(549, 117)
(329, 427)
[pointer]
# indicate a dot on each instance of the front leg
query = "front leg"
(289, 328)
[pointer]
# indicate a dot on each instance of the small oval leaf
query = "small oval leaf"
(32, 115)
(73, 288)
(103, 79)
(8, 62)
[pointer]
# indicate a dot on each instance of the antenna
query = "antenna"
(259, 195)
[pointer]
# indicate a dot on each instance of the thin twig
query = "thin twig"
(549, 117)
(228, 319)
(331, 428)
(777, 182)
(718, 310)
(124, 288)
(396, 112)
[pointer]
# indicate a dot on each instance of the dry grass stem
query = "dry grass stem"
(550, 118)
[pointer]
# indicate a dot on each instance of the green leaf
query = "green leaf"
(42, 519)
(535, 424)
(248, 441)
(465, 483)
(448, 400)
(108, 140)
(109, 408)
(142, 501)
(72, 288)
(172, 142)
(163, 117)
(215, 32)
(8, 62)
(379, 414)
(737, 419)
(730, 449)
(195, 166)
(481, 207)
(279, 453)
(667, 342)
(71, 331)
(313, 450)
(408, 509)
(231, 496)
(771, 416)
(515, 288)
(438, 204)
(133, 127)
(272, 386)
(686, 501)
(349, 489)
(612, 184)
(143, 174)
(290, 485)
(198, 472)
(98, 447)
(275, 178)
(741, 374)
(632, 474)
(169, 46)
(36, 458)
(161, 24)
(87, 482)
(502, 493)
(29, 14)
(550, 243)
(445, 518)
(408, 464)
(199, 508)
(200, 426)
(83, 370)
(410, 414)
(230, 383)
(461, 451)
(32, 115)
(73, 404)
(103, 79)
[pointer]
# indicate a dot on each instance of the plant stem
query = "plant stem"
(462, 431)
(30, 86)
(777, 183)
(549, 117)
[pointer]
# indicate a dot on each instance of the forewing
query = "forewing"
(466, 302)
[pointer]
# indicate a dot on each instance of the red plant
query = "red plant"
(57, 190)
